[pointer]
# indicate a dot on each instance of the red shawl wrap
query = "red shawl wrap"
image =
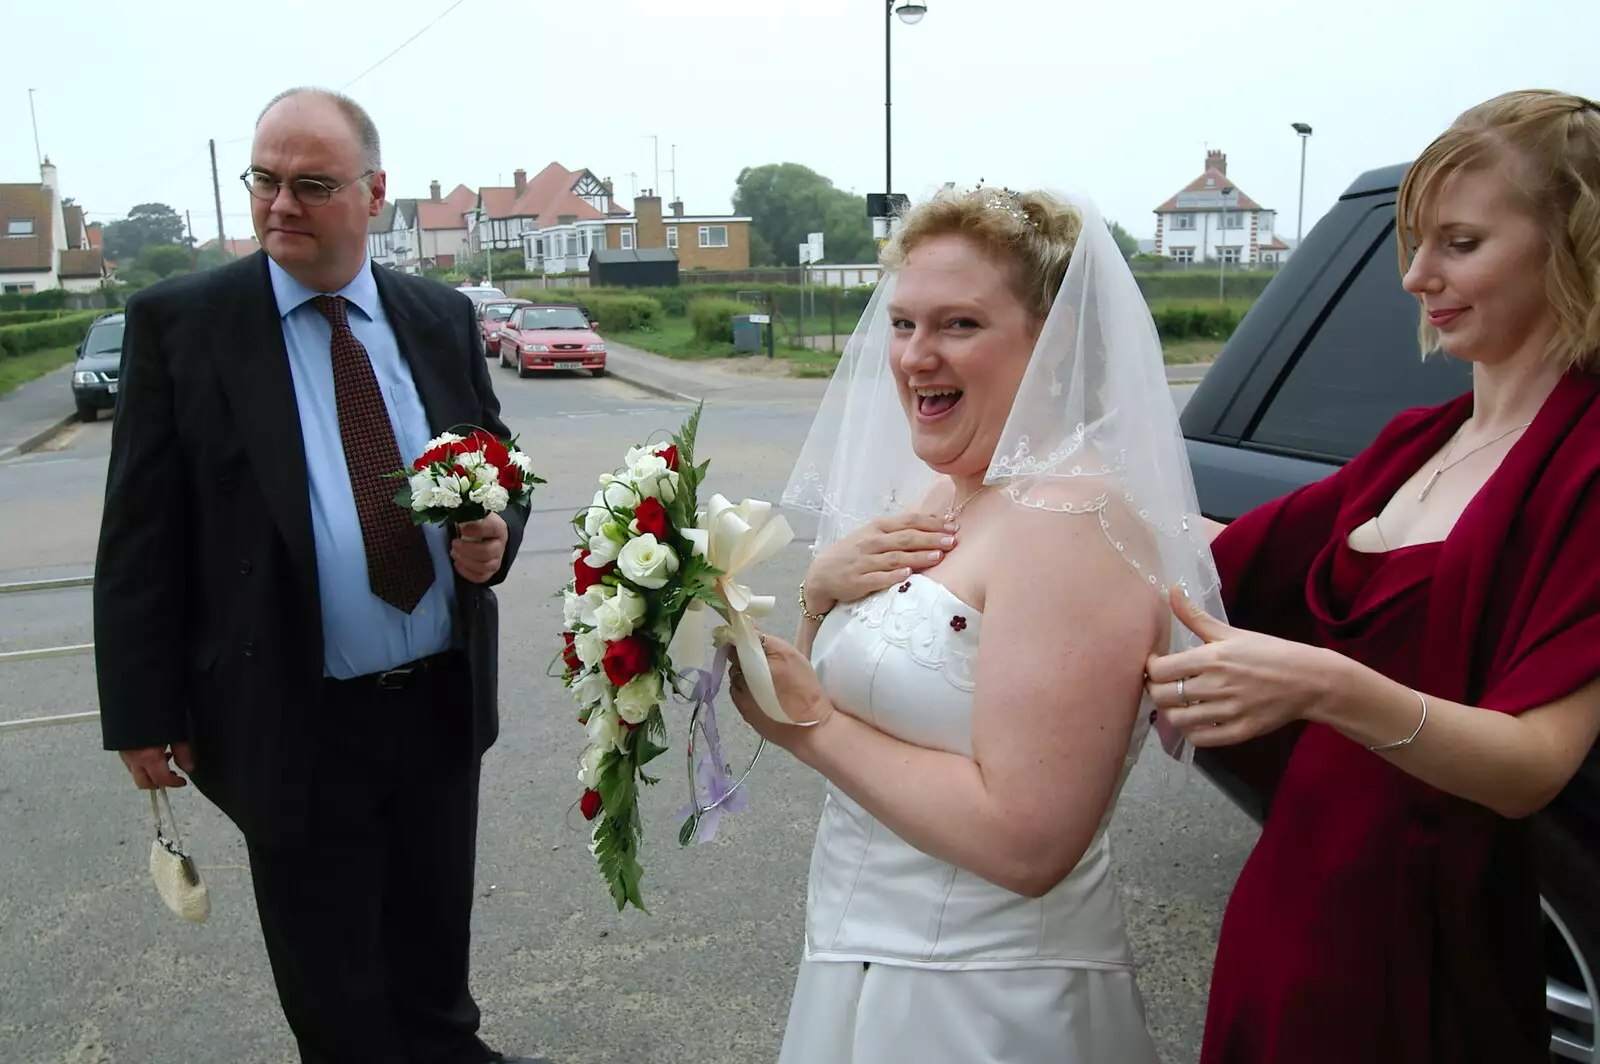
(1386, 921)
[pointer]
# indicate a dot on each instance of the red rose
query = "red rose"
(586, 575)
(589, 804)
(511, 478)
(627, 658)
(570, 653)
(481, 439)
(496, 454)
(652, 518)
(463, 446)
(671, 456)
(435, 454)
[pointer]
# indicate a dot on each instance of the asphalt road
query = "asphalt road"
(94, 970)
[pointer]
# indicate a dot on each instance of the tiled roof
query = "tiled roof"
(1275, 245)
(82, 264)
(238, 249)
(1212, 180)
(440, 215)
(383, 221)
(26, 252)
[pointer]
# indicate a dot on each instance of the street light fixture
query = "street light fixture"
(1222, 259)
(910, 12)
(1305, 134)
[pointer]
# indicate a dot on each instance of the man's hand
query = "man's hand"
(149, 767)
(480, 548)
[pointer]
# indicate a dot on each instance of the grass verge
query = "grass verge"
(1188, 352)
(20, 369)
(675, 338)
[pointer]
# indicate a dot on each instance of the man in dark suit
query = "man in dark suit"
(266, 617)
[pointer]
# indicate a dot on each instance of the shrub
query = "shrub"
(674, 302)
(1196, 321)
(624, 313)
(27, 317)
(1202, 284)
(713, 318)
(65, 331)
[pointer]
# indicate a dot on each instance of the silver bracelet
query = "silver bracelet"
(1407, 740)
(805, 611)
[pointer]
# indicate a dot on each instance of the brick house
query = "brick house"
(1212, 220)
(43, 242)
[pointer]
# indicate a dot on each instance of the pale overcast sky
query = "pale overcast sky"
(1117, 98)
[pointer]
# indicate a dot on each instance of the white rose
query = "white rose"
(605, 728)
(603, 550)
(617, 491)
(593, 689)
(590, 648)
(521, 460)
(471, 460)
(491, 496)
(618, 616)
(442, 439)
(591, 601)
(662, 485)
(637, 697)
(571, 608)
(445, 492)
(484, 473)
(589, 767)
(421, 490)
(647, 562)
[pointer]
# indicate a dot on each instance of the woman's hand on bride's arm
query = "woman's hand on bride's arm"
(875, 556)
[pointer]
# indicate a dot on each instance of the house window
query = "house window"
(597, 239)
(713, 236)
(572, 244)
(19, 289)
(1183, 254)
(672, 236)
(1232, 220)
(627, 239)
(1183, 221)
(1228, 254)
(19, 227)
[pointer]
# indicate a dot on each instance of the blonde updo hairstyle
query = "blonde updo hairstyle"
(1547, 144)
(1031, 233)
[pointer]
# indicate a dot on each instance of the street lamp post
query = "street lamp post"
(1305, 134)
(1222, 260)
(910, 12)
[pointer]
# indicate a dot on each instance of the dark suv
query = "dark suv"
(1320, 364)
(94, 378)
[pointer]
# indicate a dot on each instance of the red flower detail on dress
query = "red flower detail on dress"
(905, 587)
(958, 622)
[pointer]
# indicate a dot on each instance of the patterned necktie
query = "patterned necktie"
(399, 569)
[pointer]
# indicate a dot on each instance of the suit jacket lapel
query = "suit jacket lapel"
(428, 346)
(260, 389)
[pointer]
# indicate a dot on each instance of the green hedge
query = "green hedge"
(1197, 321)
(624, 313)
(66, 331)
(713, 318)
(1202, 284)
(28, 317)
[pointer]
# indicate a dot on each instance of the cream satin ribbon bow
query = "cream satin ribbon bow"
(732, 539)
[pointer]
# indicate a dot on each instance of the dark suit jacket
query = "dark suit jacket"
(207, 621)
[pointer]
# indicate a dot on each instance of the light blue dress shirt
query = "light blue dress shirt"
(361, 633)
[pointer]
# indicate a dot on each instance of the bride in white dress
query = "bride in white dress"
(1004, 501)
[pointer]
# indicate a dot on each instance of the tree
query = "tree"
(146, 224)
(164, 260)
(1125, 241)
(788, 201)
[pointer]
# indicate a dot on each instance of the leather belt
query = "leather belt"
(404, 676)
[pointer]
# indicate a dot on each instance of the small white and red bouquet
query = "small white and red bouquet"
(654, 589)
(461, 479)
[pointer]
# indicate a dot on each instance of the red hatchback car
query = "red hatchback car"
(544, 337)
(493, 313)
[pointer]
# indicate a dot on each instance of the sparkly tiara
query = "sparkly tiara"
(1004, 199)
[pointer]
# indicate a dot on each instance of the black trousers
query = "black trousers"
(368, 926)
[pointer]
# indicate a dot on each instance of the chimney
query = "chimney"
(520, 177)
(1217, 161)
(58, 217)
(647, 215)
(433, 191)
(677, 208)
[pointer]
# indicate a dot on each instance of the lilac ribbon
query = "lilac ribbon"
(708, 772)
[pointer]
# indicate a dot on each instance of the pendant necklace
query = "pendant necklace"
(1434, 476)
(955, 511)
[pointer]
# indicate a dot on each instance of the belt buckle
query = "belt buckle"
(394, 679)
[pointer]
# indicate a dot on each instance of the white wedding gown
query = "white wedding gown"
(911, 959)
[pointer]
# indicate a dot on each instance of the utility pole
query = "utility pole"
(216, 189)
(38, 155)
(194, 249)
(674, 173)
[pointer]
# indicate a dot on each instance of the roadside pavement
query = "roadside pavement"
(31, 413)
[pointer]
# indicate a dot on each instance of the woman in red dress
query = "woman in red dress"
(1419, 635)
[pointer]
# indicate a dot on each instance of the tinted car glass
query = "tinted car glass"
(552, 318)
(498, 311)
(104, 339)
(1360, 365)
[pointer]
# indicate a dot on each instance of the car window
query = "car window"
(1359, 368)
(104, 339)
(551, 318)
(498, 311)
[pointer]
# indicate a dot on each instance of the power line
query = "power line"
(408, 40)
